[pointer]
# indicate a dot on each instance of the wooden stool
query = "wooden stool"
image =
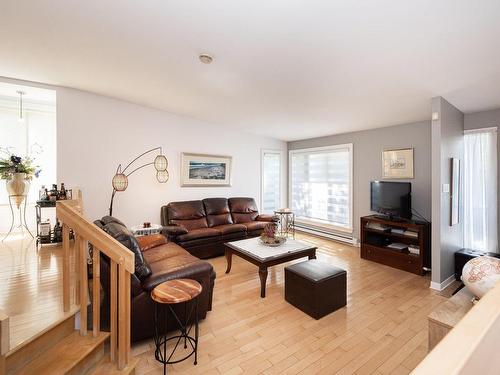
(165, 296)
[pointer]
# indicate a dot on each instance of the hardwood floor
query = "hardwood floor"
(31, 287)
(383, 329)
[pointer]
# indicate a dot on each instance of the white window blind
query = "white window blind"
(321, 186)
(271, 181)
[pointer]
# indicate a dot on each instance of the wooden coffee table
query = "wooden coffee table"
(253, 251)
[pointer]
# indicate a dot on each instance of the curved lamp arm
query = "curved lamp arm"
(119, 170)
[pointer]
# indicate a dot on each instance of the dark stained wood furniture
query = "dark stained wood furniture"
(315, 287)
(373, 244)
(264, 256)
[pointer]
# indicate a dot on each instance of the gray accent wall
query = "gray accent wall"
(367, 158)
(447, 143)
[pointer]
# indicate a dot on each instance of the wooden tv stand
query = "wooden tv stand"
(374, 243)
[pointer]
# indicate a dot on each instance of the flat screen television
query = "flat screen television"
(392, 199)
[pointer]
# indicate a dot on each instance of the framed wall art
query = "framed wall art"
(397, 163)
(205, 170)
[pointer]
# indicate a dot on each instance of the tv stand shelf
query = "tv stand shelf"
(374, 243)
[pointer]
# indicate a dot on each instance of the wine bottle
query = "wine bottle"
(41, 192)
(62, 192)
(53, 193)
(57, 232)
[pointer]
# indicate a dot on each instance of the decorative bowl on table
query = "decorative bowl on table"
(272, 241)
(481, 274)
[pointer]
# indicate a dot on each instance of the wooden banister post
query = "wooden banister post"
(96, 292)
(123, 318)
(128, 317)
(82, 259)
(77, 268)
(66, 267)
(113, 310)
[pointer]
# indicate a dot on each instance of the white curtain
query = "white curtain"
(480, 190)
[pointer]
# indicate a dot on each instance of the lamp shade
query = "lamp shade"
(161, 163)
(120, 182)
(162, 176)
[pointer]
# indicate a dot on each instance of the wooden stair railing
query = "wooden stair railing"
(4, 339)
(122, 266)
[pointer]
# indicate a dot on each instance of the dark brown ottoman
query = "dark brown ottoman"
(317, 288)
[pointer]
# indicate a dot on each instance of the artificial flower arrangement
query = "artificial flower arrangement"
(16, 164)
(270, 237)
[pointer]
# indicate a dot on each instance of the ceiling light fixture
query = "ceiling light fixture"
(21, 118)
(206, 59)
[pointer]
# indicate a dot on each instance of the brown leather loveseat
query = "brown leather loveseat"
(202, 226)
(156, 261)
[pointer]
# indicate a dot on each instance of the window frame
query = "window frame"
(281, 174)
(313, 223)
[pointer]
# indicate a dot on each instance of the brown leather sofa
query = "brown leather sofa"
(202, 226)
(156, 261)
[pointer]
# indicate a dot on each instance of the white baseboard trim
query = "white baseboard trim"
(340, 238)
(441, 286)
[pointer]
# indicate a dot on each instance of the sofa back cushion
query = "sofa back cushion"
(217, 210)
(190, 214)
(121, 233)
(243, 210)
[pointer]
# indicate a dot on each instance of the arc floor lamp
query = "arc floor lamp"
(120, 179)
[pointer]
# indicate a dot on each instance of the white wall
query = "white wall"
(96, 133)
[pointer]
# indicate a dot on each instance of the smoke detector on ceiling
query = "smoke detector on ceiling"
(205, 58)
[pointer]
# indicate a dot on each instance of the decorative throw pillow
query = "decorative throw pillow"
(121, 233)
(153, 240)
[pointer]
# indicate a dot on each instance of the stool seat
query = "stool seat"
(315, 270)
(176, 291)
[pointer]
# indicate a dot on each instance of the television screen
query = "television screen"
(392, 199)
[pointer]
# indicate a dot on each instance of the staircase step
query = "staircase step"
(106, 367)
(72, 355)
(39, 344)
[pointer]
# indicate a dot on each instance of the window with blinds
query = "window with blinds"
(321, 186)
(271, 181)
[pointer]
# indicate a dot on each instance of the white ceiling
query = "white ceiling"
(283, 68)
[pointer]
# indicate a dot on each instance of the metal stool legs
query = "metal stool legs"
(161, 339)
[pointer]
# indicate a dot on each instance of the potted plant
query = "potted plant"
(18, 172)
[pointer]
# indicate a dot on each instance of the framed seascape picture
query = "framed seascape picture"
(205, 170)
(397, 163)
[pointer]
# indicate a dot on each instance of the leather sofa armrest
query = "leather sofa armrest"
(172, 231)
(269, 218)
(151, 241)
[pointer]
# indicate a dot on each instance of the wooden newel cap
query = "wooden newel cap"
(176, 291)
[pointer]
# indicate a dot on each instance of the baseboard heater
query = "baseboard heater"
(341, 237)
